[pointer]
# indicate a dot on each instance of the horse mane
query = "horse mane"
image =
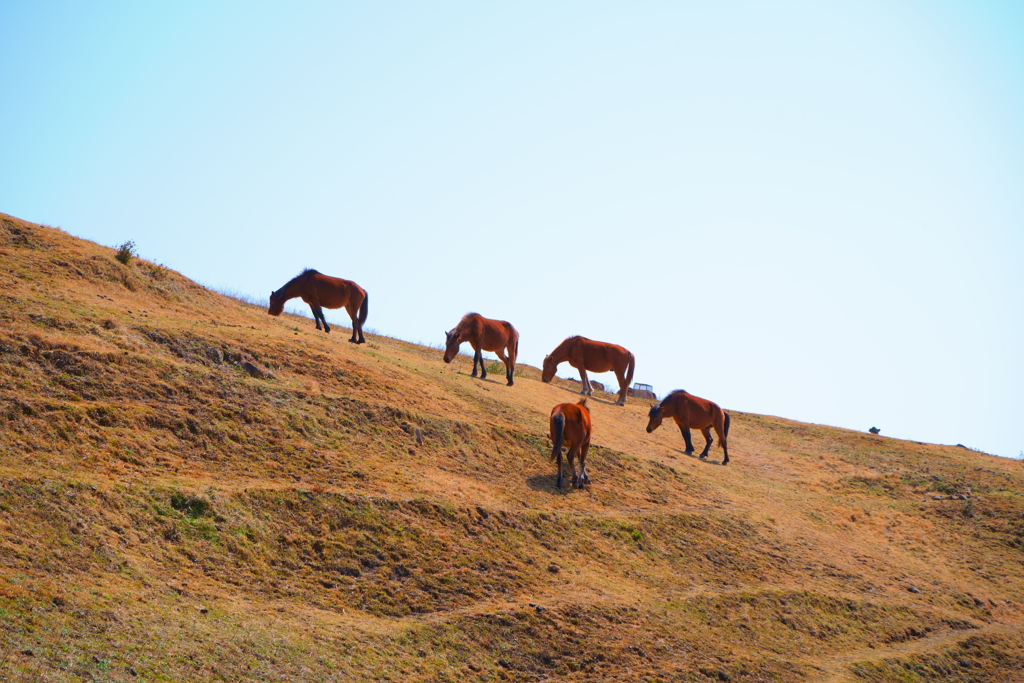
(305, 271)
(657, 406)
(464, 321)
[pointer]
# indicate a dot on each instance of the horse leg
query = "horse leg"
(316, 315)
(584, 477)
(500, 353)
(572, 466)
(622, 387)
(687, 439)
(585, 381)
(558, 481)
(354, 315)
(480, 355)
(707, 437)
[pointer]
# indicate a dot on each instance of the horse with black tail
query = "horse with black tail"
(323, 291)
(690, 411)
(570, 428)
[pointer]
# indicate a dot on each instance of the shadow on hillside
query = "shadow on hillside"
(589, 398)
(546, 483)
(695, 456)
(486, 379)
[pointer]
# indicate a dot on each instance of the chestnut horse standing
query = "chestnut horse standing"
(323, 291)
(484, 334)
(586, 354)
(570, 427)
(698, 413)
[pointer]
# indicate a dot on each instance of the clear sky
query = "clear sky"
(807, 209)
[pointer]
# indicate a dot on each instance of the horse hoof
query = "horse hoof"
(509, 384)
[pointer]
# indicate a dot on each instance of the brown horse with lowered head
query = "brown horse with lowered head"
(570, 427)
(586, 354)
(323, 291)
(698, 413)
(484, 334)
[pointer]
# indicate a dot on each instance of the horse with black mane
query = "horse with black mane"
(323, 291)
(690, 411)
(484, 334)
(571, 427)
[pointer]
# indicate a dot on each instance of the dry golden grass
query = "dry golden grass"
(167, 516)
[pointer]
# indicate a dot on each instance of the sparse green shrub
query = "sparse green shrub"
(190, 506)
(126, 252)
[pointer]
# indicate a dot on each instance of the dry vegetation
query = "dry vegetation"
(168, 515)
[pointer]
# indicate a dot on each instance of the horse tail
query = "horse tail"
(629, 368)
(558, 427)
(515, 344)
(726, 435)
(364, 309)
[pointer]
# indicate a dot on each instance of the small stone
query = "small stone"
(540, 609)
(913, 589)
(554, 568)
(203, 610)
(132, 671)
(533, 604)
(256, 371)
(28, 653)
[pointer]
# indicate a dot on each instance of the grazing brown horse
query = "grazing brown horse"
(570, 427)
(698, 413)
(323, 291)
(586, 354)
(484, 334)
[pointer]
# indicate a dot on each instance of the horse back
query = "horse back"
(577, 422)
(602, 356)
(698, 413)
(335, 292)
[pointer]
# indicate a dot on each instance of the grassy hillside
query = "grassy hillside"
(164, 515)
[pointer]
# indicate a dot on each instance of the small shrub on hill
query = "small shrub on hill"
(126, 252)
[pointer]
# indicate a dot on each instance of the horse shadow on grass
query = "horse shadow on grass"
(546, 484)
(485, 379)
(695, 456)
(579, 396)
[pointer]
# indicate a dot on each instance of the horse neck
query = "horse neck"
(466, 329)
(561, 351)
(675, 406)
(291, 289)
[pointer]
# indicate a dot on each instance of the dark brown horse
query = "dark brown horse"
(323, 291)
(698, 413)
(586, 354)
(570, 427)
(484, 334)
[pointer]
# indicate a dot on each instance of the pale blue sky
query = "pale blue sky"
(807, 209)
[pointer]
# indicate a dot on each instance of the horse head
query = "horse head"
(549, 369)
(655, 418)
(276, 303)
(452, 341)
